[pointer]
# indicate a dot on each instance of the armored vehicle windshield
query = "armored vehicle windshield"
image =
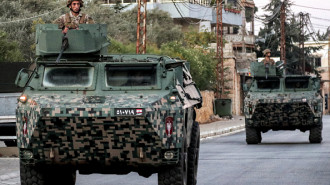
(131, 75)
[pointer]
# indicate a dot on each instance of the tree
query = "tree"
(202, 62)
(164, 37)
(15, 17)
(324, 36)
(9, 50)
(272, 34)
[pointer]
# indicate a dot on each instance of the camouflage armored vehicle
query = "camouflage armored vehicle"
(282, 102)
(110, 114)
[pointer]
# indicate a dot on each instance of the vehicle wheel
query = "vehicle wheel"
(176, 175)
(251, 135)
(11, 143)
(315, 134)
(42, 175)
(193, 154)
(259, 136)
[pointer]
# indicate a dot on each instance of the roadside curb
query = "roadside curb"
(222, 131)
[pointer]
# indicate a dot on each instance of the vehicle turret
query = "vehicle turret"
(259, 69)
(90, 40)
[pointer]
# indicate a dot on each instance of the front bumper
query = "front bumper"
(283, 116)
(128, 141)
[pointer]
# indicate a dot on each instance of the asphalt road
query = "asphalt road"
(283, 157)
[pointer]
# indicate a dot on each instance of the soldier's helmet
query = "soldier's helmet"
(70, 1)
(266, 51)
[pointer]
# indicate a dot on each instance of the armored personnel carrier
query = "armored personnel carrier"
(282, 102)
(87, 111)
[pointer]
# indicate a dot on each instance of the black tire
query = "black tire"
(193, 154)
(251, 135)
(175, 175)
(11, 143)
(31, 175)
(259, 136)
(47, 175)
(315, 134)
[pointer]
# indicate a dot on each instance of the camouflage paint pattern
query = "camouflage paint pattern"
(79, 125)
(80, 132)
(71, 21)
(282, 108)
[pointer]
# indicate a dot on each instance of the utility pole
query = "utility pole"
(141, 31)
(301, 42)
(283, 17)
(219, 52)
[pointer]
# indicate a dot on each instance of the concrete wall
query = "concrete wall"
(205, 113)
(233, 85)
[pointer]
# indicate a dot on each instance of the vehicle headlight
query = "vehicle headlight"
(23, 98)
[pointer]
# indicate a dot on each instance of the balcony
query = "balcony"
(239, 39)
(196, 10)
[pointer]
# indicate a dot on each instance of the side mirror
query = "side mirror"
(22, 78)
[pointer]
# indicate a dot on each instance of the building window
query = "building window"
(317, 62)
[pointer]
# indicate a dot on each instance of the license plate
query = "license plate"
(129, 112)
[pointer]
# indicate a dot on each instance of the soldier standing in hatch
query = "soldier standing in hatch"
(72, 19)
(267, 59)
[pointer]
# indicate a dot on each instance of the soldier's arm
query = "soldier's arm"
(60, 22)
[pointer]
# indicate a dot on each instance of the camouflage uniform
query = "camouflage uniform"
(72, 22)
(270, 61)
(265, 61)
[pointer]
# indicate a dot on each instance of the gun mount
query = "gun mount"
(89, 41)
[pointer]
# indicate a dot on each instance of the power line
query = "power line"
(309, 22)
(325, 9)
(25, 19)
(187, 6)
(272, 17)
(190, 8)
(320, 25)
(320, 18)
(182, 15)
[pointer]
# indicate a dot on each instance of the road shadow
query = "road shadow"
(287, 143)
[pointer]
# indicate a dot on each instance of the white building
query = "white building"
(321, 61)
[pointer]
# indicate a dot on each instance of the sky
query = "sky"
(319, 18)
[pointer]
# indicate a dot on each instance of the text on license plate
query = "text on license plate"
(129, 112)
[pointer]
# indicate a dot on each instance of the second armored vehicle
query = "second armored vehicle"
(282, 102)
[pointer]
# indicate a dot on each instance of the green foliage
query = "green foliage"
(202, 62)
(38, 6)
(164, 37)
(161, 28)
(9, 51)
(119, 7)
(203, 39)
(324, 36)
(272, 35)
(120, 48)
(21, 31)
